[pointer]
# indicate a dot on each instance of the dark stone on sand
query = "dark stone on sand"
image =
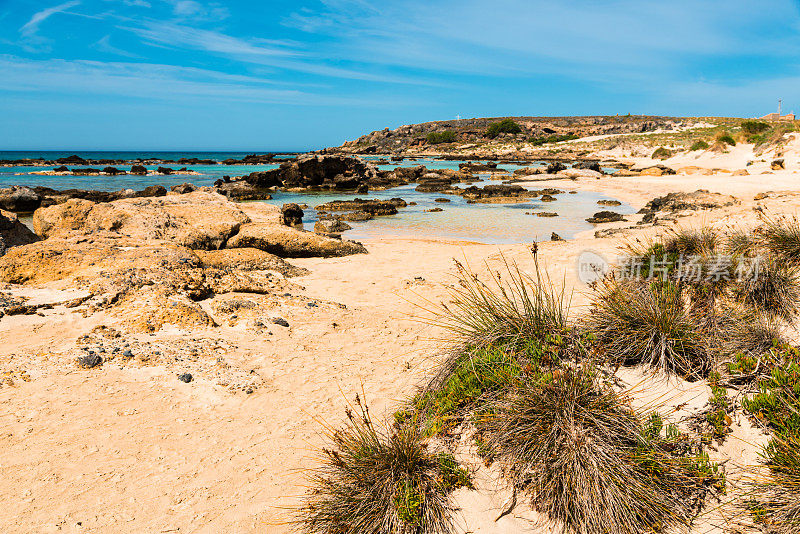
(185, 377)
(555, 167)
(555, 237)
(280, 321)
(89, 360)
(292, 215)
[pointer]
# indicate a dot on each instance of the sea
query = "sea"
(458, 220)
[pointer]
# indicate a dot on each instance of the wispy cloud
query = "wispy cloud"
(155, 82)
(32, 25)
(104, 45)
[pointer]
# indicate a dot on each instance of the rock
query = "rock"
(548, 198)
(441, 200)
(197, 220)
(604, 217)
(138, 170)
(112, 171)
(700, 199)
(609, 203)
(13, 233)
(546, 214)
(777, 164)
(164, 170)
(247, 259)
(373, 207)
(577, 173)
(331, 226)
(183, 188)
(434, 210)
(656, 170)
(555, 167)
(73, 159)
(185, 377)
(588, 165)
(89, 361)
(555, 237)
(280, 321)
(332, 172)
(19, 199)
(741, 172)
(761, 196)
(287, 242)
(292, 215)
(152, 191)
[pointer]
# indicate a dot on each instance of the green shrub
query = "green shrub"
(504, 126)
(726, 139)
(699, 145)
(754, 127)
(437, 138)
(538, 141)
(381, 482)
(661, 153)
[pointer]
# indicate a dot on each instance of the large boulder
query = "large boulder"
(19, 199)
(198, 220)
(292, 215)
(287, 242)
(13, 233)
(312, 171)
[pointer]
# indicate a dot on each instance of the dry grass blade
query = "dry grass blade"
(773, 496)
(781, 237)
(774, 289)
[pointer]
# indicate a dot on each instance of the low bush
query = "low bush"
(437, 138)
(699, 145)
(504, 126)
(381, 482)
(754, 127)
(538, 141)
(661, 153)
(726, 139)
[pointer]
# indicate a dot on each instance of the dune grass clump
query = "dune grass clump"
(648, 322)
(699, 145)
(774, 289)
(781, 238)
(726, 139)
(588, 462)
(661, 153)
(381, 482)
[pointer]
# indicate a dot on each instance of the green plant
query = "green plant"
(699, 145)
(538, 141)
(380, 482)
(504, 126)
(588, 462)
(717, 414)
(754, 127)
(437, 138)
(641, 322)
(727, 139)
(661, 153)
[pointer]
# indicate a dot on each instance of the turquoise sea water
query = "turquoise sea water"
(487, 223)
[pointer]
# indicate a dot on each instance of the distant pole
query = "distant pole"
(779, 107)
(458, 117)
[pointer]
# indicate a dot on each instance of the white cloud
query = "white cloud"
(104, 45)
(32, 25)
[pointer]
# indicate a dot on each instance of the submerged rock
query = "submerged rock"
(605, 217)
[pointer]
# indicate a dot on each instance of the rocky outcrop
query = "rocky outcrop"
(322, 172)
(292, 215)
(331, 227)
(13, 233)
(290, 243)
(605, 217)
(19, 199)
(700, 199)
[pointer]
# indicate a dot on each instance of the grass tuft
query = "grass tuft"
(381, 482)
(781, 237)
(637, 322)
(586, 459)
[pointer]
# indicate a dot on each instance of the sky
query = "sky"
(304, 74)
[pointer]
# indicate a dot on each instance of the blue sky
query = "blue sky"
(192, 74)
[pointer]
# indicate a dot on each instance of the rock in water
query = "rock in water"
(292, 215)
(13, 233)
(331, 226)
(604, 217)
(555, 237)
(19, 199)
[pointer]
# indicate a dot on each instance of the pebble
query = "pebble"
(90, 360)
(185, 377)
